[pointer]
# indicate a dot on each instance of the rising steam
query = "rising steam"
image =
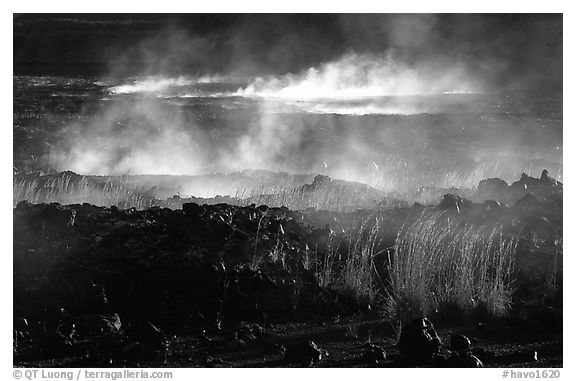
(150, 85)
(131, 138)
(302, 123)
(363, 76)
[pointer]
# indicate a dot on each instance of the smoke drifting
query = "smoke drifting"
(131, 138)
(150, 85)
(356, 76)
(388, 100)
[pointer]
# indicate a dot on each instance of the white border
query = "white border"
(296, 6)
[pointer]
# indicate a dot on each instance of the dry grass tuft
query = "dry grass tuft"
(442, 265)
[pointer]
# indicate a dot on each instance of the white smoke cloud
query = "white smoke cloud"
(149, 85)
(140, 135)
(131, 138)
(151, 135)
(363, 76)
(159, 85)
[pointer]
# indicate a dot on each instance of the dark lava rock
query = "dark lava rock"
(55, 345)
(214, 361)
(148, 335)
(250, 328)
(548, 316)
(528, 201)
(450, 359)
(374, 354)
(263, 208)
(492, 205)
(419, 341)
(54, 219)
(459, 342)
(21, 324)
(254, 281)
(99, 325)
(114, 212)
(465, 360)
(484, 354)
(192, 209)
(23, 205)
(95, 300)
(303, 354)
(66, 325)
(528, 183)
(454, 202)
(237, 343)
(525, 183)
(441, 360)
(544, 188)
(134, 352)
(273, 349)
(545, 179)
(492, 186)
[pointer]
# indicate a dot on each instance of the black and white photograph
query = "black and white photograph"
(270, 190)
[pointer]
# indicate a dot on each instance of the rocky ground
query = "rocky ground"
(226, 285)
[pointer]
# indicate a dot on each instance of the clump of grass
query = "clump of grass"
(258, 258)
(347, 262)
(70, 188)
(325, 267)
(358, 273)
(441, 264)
(323, 196)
